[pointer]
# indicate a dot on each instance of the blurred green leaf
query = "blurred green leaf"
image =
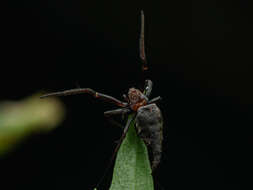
(19, 119)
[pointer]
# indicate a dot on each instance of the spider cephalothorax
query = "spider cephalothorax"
(136, 99)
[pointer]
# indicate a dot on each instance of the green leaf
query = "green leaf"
(132, 167)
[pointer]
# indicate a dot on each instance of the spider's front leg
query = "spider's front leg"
(121, 111)
(88, 91)
(142, 45)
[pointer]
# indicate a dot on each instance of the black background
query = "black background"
(200, 58)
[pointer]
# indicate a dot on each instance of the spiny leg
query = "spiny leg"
(115, 123)
(121, 111)
(88, 91)
(129, 121)
(148, 88)
(142, 44)
(117, 112)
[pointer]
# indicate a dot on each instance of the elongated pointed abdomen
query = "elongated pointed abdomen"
(149, 125)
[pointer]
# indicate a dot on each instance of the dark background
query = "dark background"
(200, 58)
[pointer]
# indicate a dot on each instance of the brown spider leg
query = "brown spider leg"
(156, 99)
(148, 88)
(115, 123)
(122, 111)
(142, 45)
(88, 91)
(129, 121)
(117, 112)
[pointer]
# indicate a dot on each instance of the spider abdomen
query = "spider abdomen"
(149, 125)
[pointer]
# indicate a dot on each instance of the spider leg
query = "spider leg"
(148, 88)
(156, 99)
(122, 111)
(115, 123)
(117, 112)
(129, 121)
(88, 91)
(142, 45)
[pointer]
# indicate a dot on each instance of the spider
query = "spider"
(147, 116)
